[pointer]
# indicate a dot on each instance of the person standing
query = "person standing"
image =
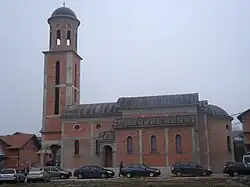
(27, 171)
(120, 168)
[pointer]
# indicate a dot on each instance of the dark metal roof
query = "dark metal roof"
(63, 12)
(158, 101)
(216, 111)
(88, 110)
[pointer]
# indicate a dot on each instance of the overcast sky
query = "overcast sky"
(130, 48)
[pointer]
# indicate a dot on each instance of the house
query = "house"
(19, 150)
(244, 118)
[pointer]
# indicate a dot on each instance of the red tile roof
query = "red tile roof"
(16, 140)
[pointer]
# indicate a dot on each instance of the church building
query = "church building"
(154, 130)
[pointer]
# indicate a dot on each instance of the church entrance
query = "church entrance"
(56, 155)
(108, 156)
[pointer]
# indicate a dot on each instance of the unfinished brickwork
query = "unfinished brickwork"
(153, 130)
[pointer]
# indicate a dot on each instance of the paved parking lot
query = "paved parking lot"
(214, 180)
(142, 182)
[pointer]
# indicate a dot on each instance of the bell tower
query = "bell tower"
(63, 30)
(61, 73)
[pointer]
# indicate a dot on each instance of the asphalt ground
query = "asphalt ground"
(136, 182)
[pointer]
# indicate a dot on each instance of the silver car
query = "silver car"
(11, 175)
(37, 174)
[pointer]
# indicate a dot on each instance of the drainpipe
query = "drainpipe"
(207, 139)
(18, 158)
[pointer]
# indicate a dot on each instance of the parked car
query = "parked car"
(193, 169)
(10, 175)
(57, 172)
(37, 174)
(234, 169)
(93, 172)
(139, 170)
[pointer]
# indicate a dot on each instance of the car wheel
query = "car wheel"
(103, 175)
(151, 174)
(128, 175)
(62, 176)
(178, 174)
(235, 174)
(47, 179)
(79, 176)
(204, 173)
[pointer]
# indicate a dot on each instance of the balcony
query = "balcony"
(103, 138)
(106, 136)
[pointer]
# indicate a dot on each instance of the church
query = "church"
(153, 130)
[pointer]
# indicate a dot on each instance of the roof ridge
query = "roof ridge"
(98, 103)
(158, 95)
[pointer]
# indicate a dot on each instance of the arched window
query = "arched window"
(68, 38)
(76, 39)
(50, 39)
(77, 147)
(153, 144)
(178, 143)
(57, 93)
(129, 145)
(58, 37)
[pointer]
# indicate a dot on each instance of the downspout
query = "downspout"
(18, 158)
(207, 138)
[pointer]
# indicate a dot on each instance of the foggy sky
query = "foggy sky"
(130, 48)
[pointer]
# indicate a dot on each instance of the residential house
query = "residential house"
(244, 118)
(19, 150)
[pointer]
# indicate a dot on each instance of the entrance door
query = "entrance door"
(108, 156)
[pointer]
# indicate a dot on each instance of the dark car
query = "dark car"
(193, 169)
(93, 172)
(57, 172)
(236, 168)
(139, 170)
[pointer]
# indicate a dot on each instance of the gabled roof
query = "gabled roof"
(239, 117)
(16, 140)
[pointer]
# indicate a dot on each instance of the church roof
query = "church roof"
(158, 101)
(88, 110)
(114, 108)
(214, 110)
(107, 109)
(63, 12)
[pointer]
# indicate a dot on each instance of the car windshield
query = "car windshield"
(97, 167)
(36, 169)
(59, 168)
(143, 165)
(7, 171)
